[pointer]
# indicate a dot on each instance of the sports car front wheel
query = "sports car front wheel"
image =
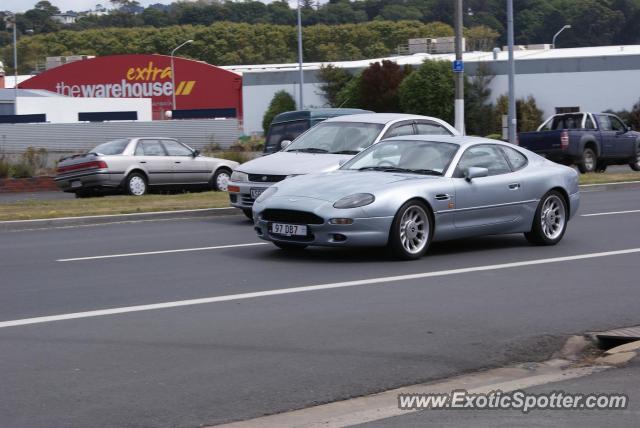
(411, 231)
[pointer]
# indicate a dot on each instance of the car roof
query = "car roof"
(382, 118)
(320, 113)
(461, 140)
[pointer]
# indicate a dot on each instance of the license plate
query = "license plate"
(75, 184)
(288, 229)
(256, 192)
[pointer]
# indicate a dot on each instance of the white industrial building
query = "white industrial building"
(591, 79)
(61, 109)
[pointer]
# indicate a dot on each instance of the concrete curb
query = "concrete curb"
(17, 225)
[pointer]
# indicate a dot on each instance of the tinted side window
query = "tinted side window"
(293, 129)
(605, 123)
(150, 148)
(485, 156)
(616, 125)
(402, 129)
(588, 124)
(430, 128)
(515, 158)
(176, 149)
(276, 135)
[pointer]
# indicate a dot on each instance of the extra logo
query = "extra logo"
(139, 82)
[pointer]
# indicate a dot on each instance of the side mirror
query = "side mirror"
(284, 144)
(196, 153)
(476, 172)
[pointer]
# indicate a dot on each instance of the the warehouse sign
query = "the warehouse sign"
(198, 85)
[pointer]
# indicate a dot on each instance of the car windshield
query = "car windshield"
(115, 147)
(337, 137)
(419, 157)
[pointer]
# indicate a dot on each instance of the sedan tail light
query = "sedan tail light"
(564, 139)
(84, 165)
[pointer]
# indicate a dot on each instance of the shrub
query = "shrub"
(240, 157)
(35, 158)
(5, 168)
(22, 170)
(282, 101)
(379, 86)
(334, 80)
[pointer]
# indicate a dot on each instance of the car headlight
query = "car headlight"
(266, 194)
(355, 201)
(239, 176)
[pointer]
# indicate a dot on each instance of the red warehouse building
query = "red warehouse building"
(200, 88)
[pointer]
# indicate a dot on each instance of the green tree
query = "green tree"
(527, 112)
(429, 90)
(334, 80)
(282, 101)
(479, 112)
(349, 96)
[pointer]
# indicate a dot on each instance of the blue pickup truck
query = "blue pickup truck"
(591, 141)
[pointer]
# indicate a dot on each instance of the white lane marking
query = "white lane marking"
(293, 290)
(148, 253)
(116, 215)
(609, 184)
(610, 213)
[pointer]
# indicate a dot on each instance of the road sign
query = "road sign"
(458, 66)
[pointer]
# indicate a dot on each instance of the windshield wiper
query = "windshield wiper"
(396, 169)
(345, 152)
(309, 150)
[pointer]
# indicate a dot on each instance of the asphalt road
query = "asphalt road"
(220, 361)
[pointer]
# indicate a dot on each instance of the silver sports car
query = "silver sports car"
(407, 192)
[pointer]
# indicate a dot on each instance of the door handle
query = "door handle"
(514, 186)
(177, 162)
(143, 161)
(442, 197)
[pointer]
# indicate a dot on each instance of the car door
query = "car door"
(187, 169)
(151, 155)
(607, 136)
(624, 142)
(486, 201)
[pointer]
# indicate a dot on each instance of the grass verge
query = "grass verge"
(36, 209)
(614, 177)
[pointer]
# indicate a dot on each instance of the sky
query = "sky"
(64, 5)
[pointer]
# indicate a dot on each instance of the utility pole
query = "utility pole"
(301, 105)
(512, 118)
(459, 71)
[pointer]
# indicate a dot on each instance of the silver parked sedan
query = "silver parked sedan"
(407, 192)
(136, 164)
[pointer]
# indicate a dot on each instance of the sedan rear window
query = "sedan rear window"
(115, 147)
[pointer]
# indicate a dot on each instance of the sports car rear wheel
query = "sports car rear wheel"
(411, 231)
(550, 220)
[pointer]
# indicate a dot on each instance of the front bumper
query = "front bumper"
(243, 199)
(363, 232)
(100, 178)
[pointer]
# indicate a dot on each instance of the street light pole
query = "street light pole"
(301, 105)
(553, 43)
(459, 102)
(512, 118)
(173, 74)
(15, 63)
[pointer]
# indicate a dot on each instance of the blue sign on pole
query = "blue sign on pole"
(458, 66)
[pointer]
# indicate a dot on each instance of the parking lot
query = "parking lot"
(274, 331)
